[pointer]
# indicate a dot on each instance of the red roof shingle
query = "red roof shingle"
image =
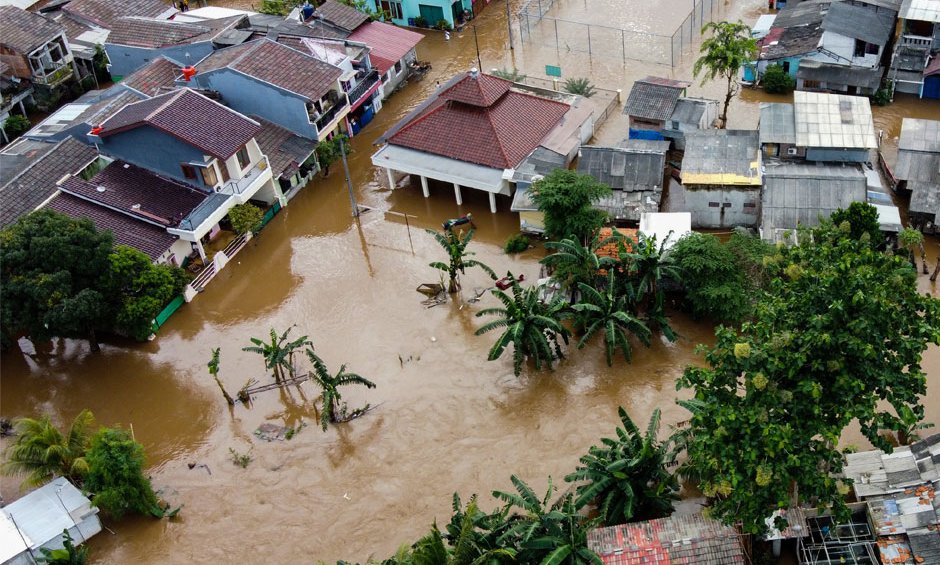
(388, 43)
(499, 134)
(155, 33)
(105, 13)
(154, 78)
(341, 15)
(24, 31)
(191, 118)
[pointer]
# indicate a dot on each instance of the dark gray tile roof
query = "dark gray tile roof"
(154, 33)
(654, 98)
(341, 15)
(24, 31)
(36, 178)
(540, 162)
(798, 194)
(777, 123)
(105, 13)
(138, 192)
(860, 22)
(920, 135)
(275, 26)
(151, 240)
(623, 169)
(720, 151)
(190, 117)
(285, 150)
(277, 64)
(154, 78)
(833, 74)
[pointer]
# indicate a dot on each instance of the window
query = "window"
(243, 159)
(811, 84)
(386, 77)
(209, 177)
(189, 172)
(786, 67)
(750, 205)
(859, 48)
(346, 84)
(398, 67)
(393, 9)
(713, 205)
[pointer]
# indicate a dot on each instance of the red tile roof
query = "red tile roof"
(277, 64)
(106, 12)
(341, 15)
(189, 117)
(156, 77)
(155, 33)
(285, 150)
(24, 31)
(388, 43)
(147, 238)
(686, 539)
(470, 123)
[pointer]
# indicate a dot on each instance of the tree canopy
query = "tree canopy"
(729, 48)
(116, 474)
(837, 337)
(565, 198)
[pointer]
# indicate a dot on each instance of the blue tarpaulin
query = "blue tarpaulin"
(646, 134)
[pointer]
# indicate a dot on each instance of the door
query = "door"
(431, 14)
(932, 87)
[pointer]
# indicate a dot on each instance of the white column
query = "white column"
(391, 178)
(424, 186)
(202, 252)
(458, 195)
(493, 202)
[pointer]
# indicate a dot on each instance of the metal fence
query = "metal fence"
(538, 28)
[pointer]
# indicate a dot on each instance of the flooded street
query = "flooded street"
(445, 419)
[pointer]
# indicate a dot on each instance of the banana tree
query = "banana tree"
(455, 245)
(278, 353)
(604, 311)
(332, 412)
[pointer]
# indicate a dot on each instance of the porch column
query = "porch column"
(202, 252)
(493, 202)
(391, 178)
(22, 108)
(458, 195)
(424, 187)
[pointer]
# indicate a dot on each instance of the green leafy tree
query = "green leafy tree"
(574, 263)
(862, 218)
(543, 532)
(566, 199)
(42, 452)
(626, 477)
(213, 366)
(278, 353)
(729, 48)
(837, 338)
(605, 311)
(16, 125)
(329, 384)
(245, 218)
(580, 86)
(52, 267)
(67, 555)
(143, 290)
(529, 325)
(331, 150)
(366, 9)
(274, 7)
(910, 239)
(777, 81)
(455, 245)
(100, 62)
(648, 266)
(514, 75)
(116, 475)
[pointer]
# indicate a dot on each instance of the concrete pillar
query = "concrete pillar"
(493, 202)
(202, 252)
(391, 178)
(458, 195)
(424, 186)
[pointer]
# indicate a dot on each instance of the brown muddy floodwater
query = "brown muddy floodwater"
(445, 419)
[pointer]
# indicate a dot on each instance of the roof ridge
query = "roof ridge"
(499, 139)
(170, 98)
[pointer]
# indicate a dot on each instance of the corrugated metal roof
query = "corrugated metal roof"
(920, 135)
(833, 74)
(833, 120)
(690, 110)
(918, 166)
(654, 98)
(876, 473)
(722, 157)
(925, 197)
(43, 513)
(923, 10)
(623, 169)
(859, 22)
(542, 161)
(797, 194)
(777, 123)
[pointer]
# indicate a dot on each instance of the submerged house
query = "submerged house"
(634, 171)
(834, 127)
(392, 52)
(477, 129)
(915, 64)
(918, 169)
(290, 88)
(658, 109)
(36, 521)
(34, 48)
(796, 33)
(432, 12)
(721, 179)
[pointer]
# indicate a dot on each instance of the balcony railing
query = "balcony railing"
(330, 115)
(916, 41)
(203, 211)
(239, 186)
(363, 86)
(54, 75)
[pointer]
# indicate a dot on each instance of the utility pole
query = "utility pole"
(352, 197)
(509, 25)
(475, 41)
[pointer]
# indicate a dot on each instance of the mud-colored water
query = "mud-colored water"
(445, 420)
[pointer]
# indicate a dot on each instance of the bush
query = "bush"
(116, 474)
(443, 25)
(777, 81)
(580, 86)
(245, 218)
(16, 125)
(274, 7)
(421, 22)
(517, 243)
(514, 75)
(882, 96)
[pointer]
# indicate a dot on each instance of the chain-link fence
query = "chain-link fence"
(538, 28)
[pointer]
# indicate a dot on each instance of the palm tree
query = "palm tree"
(580, 86)
(531, 326)
(455, 244)
(603, 310)
(278, 353)
(574, 263)
(329, 385)
(626, 478)
(648, 265)
(42, 452)
(545, 533)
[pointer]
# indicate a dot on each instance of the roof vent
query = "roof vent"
(135, 207)
(127, 166)
(189, 72)
(101, 188)
(474, 73)
(96, 130)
